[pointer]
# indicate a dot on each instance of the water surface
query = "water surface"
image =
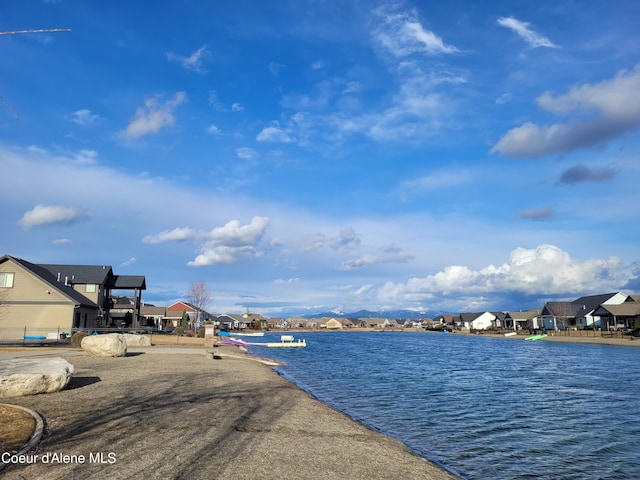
(485, 408)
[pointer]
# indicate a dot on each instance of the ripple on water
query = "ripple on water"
(488, 408)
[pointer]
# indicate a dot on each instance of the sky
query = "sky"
(302, 156)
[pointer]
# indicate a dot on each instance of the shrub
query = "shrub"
(76, 338)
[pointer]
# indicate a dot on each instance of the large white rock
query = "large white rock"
(135, 340)
(109, 345)
(30, 376)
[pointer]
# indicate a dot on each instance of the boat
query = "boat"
(536, 337)
(285, 341)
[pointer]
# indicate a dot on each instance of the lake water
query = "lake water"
(484, 408)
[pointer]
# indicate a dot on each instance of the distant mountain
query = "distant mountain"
(391, 314)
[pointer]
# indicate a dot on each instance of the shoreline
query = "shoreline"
(167, 412)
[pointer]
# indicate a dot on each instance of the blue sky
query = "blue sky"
(309, 155)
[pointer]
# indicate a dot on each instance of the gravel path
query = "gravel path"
(171, 413)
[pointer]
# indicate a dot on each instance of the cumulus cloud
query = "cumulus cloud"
(179, 234)
(524, 31)
(401, 34)
(154, 116)
(582, 173)
(85, 117)
(544, 270)
(194, 62)
(544, 213)
(598, 113)
(231, 243)
(51, 215)
(275, 134)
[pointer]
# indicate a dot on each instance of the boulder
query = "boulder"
(30, 376)
(135, 340)
(109, 345)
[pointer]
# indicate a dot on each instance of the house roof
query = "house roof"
(80, 273)
(589, 303)
(627, 309)
(126, 282)
(98, 274)
(524, 315)
(46, 276)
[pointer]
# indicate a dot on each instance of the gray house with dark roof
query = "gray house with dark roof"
(581, 312)
(59, 296)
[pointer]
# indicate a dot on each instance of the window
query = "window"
(6, 280)
(90, 288)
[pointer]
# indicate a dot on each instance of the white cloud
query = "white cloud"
(524, 31)
(129, 262)
(246, 153)
(236, 107)
(179, 234)
(61, 241)
(235, 234)
(194, 62)
(50, 215)
(392, 254)
(275, 134)
(600, 112)
(86, 157)
(402, 34)
(544, 270)
(153, 116)
(85, 117)
(231, 243)
(214, 130)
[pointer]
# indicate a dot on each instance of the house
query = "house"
(482, 320)
(523, 319)
(65, 297)
(623, 316)
(331, 324)
(579, 314)
(196, 315)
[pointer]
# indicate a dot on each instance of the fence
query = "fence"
(40, 336)
(31, 335)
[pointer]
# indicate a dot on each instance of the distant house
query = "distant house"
(64, 296)
(482, 320)
(196, 315)
(523, 319)
(332, 324)
(580, 313)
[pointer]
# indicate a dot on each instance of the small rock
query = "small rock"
(30, 376)
(109, 345)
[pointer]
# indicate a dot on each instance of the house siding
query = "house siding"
(33, 303)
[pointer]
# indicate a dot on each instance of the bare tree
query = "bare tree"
(199, 296)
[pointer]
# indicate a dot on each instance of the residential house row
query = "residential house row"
(614, 311)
